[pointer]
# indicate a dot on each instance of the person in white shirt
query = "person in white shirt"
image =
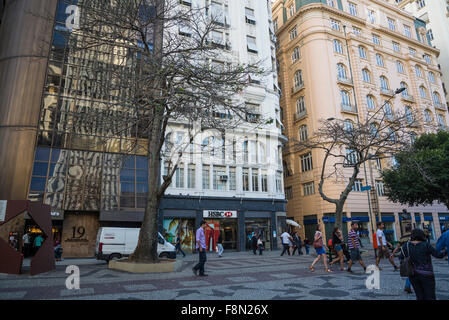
(286, 242)
(382, 249)
(26, 244)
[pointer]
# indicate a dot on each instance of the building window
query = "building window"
(206, 177)
(441, 121)
(362, 52)
(372, 16)
(341, 71)
(338, 46)
(249, 16)
(264, 181)
(380, 188)
(303, 133)
(298, 81)
(345, 100)
(296, 55)
(348, 125)
(255, 179)
(351, 157)
(300, 106)
(357, 31)
(420, 4)
(408, 114)
(331, 3)
(358, 184)
(308, 188)
(428, 59)
(288, 193)
(423, 92)
(306, 162)
(396, 46)
(418, 71)
(180, 176)
(383, 83)
(251, 44)
(191, 176)
(245, 179)
(428, 116)
(275, 25)
(405, 92)
(232, 178)
(407, 31)
(430, 34)
(376, 39)
(352, 8)
(399, 66)
(219, 178)
(391, 24)
(370, 102)
(335, 25)
(412, 51)
(431, 77)
(437, 99)
(293, 33)
(278, 182)
(380, 60)
(366, 75)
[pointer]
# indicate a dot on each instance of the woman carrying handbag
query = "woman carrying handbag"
(319, 248)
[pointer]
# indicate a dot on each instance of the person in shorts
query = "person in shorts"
(382, 247)
(354, 247)
(320, 251)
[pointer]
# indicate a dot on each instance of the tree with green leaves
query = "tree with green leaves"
(421, 175)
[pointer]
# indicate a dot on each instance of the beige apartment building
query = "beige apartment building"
(342, 59)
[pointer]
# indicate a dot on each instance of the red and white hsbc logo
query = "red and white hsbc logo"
(216, 214)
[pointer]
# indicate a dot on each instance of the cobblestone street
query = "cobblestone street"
(236, 276)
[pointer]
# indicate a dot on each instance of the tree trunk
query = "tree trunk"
(339, 215)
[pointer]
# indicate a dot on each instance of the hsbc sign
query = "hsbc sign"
(216, 214)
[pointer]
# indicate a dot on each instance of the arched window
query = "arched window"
(362, 52)
(428, 115)
(298, 81)
(399, 66)
(388, 111)
(418, 71)
(296, 55)
(436, 99)
(300, 105)
(370, 102)
(366, 75)
(380, 60)
(441, 122)
(348, 125)
(341, 70)
(338, 46)
(423, 92)
(405, 92)
(431, 77)
(383, 83)
(374, 129)
(408, 114)
(303, 133)
(345, 100)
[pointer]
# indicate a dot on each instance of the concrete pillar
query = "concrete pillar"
(25, 36)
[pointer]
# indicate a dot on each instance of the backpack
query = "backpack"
(406, 268)
(329, 243)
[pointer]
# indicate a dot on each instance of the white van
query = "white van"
(114, 243)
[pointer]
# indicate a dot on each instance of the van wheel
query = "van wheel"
(115, 256)
(164, 255)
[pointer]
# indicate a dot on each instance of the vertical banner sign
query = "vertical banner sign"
(3, 210)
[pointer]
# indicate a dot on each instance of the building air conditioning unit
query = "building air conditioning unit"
(224, 178)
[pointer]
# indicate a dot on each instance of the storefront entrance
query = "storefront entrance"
(185, 227)
(34, 231)
(259, 227)
(228, 230)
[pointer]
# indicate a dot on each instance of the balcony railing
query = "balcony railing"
(387, 92)
(348, 108)
(298, 87)
(299, 116)
(406, 97)
(345, 81)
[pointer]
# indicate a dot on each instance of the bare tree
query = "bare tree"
(347, 146)
(162, 71)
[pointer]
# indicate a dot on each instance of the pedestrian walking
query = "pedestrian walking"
(220, 245)
(443, 242)
(26, 244)
(286, 239)
(420, 251)
(337, 241)
(404, 239)
(319, 248)
(307, 245)
(354, 245)
(382, 247)
(296, 243)
(254, 243)
(201, 247)
(260, 245)
(58, 250)
(38, 243)
(179, 244)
